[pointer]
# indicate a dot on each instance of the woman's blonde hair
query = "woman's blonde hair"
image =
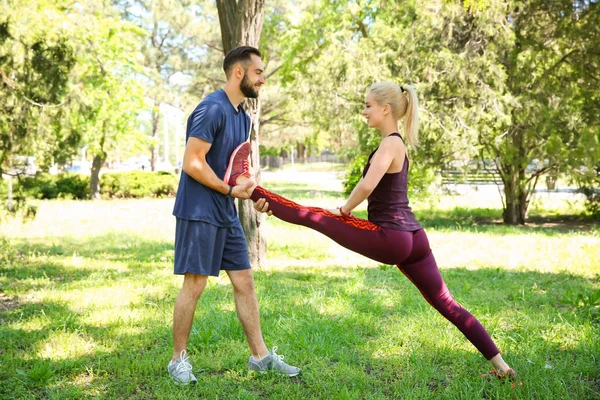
(404, 104)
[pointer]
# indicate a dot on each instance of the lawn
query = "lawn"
(87, 290)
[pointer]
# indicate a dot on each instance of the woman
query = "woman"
(392, 234)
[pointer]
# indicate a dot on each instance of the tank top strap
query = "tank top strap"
(398, 135)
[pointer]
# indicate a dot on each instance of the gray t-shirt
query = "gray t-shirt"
(216, 121)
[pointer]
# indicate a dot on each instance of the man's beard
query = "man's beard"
(247, 88)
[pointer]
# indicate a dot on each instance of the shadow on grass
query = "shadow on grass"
(130, 363)
(492, 290)
(125, 247)
(122, 363)
(32, 275)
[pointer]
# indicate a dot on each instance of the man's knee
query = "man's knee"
(242, 281)
(193, 285)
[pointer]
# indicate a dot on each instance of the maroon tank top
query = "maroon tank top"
(388, 203)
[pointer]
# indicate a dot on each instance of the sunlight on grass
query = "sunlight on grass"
(65, 345)
(87, 295)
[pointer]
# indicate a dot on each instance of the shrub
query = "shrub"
(354, 173)
(138, 184)
(420, 178)
(46, 186)
(590, 187)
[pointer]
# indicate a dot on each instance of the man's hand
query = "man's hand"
(241, 191)
(262, 206)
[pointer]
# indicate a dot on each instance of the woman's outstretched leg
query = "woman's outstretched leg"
(359, 235)
(422, 270)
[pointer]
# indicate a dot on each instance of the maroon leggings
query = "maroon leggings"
(409, 251)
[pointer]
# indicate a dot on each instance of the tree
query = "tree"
(106, 112)
(36, 62)
(176, 32)
(241, 24)
(552, 73)
(514, 82)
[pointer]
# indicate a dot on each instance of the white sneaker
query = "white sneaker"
(274, 362)
(181, 370)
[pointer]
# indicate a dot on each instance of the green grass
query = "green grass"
(87, 290)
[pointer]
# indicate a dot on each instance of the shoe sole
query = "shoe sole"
(231, 158)
(263, 372)
(266, 371)
(181, 383)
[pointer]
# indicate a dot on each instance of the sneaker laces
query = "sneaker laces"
(183, 365)
(276, 357)
(245, 167)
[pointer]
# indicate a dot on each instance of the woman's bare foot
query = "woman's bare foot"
(501, 366)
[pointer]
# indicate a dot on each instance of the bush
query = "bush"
(134, 184)
(46, 186)
(592, 201)
(75, 186)
(138, 184)
(590, 187)
(420, 178)
(269, 151)
(354, 173)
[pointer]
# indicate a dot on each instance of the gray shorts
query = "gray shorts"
(205, 249)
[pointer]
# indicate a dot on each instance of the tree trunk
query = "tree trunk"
(517, 198)
(241, 24)
(9, 202)
(97, 164)
(154, 142)
(252, 221)
(301, 152)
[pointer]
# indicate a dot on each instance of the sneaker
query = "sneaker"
(181, 370)
(274, 362)
(238, 164)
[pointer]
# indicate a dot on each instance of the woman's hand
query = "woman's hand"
(262, 206)
(335, 211)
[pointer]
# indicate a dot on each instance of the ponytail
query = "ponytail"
(411, 117)
(404, 104)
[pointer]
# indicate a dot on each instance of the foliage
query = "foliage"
(177, 47)
(36, 62)
(589, 183)
(71, 81)
(38, 376)
(134, 184)
(490, 86)
(46, 186)
(138, 184)
(269, 151)
(354, 173)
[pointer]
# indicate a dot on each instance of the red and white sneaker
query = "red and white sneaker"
(238, 164)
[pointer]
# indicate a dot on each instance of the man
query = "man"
(209, 237)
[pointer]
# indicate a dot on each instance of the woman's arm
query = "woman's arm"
(389, 148)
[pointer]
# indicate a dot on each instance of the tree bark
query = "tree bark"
(241, 24)
(516, 195)
(9, 202)
(97, 164)
(154, 143)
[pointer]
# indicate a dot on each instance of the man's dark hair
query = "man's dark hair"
(240, 54)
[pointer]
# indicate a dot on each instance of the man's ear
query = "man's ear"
(238, 71)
